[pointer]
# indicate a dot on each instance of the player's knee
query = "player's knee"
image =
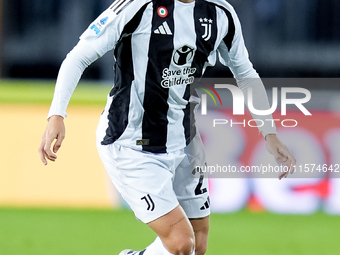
(181, 245)
(201, 249)
(185, 247)
(201, 242)
(201, 229)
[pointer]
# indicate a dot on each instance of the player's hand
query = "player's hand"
(55, 130)
(281, 154)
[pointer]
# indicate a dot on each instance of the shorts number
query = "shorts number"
(198, 189)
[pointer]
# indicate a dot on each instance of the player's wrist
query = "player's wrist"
(55, 117)
(270, 136)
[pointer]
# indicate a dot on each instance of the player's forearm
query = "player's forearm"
(260, 102)
(69, 75)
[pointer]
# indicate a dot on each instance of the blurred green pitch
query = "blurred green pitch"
(107, 232)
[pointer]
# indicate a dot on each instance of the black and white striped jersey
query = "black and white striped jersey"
(160, 46)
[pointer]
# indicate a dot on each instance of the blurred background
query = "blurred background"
(286, 39)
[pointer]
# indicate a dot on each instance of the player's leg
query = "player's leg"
(201, 229)
(175, 236)
(145, 181)
(192, 191)
(175, 231)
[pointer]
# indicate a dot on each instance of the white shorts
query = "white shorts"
(154, 184)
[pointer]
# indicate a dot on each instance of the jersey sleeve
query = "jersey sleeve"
(79, 58)
(100, 37)
(233, 54)
(103, 34)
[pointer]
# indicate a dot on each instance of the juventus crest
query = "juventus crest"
(206, 23)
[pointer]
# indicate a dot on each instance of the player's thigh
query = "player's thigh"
(175, 231)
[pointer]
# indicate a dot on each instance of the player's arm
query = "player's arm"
(94, 43)
(100, 37)
(69, 75)
(237, 59)
(274, 145)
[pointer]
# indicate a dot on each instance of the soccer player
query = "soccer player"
(145, 137)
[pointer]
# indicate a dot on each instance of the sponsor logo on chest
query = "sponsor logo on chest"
(181, 75)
